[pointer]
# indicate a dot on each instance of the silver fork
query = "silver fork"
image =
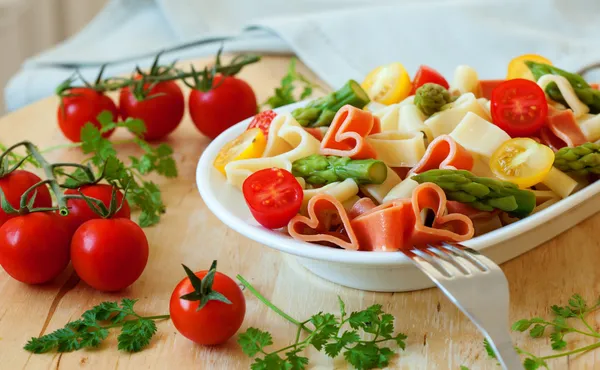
(477, 286)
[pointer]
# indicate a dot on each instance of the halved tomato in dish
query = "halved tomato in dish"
(519, 107)
(274, 196)
(387, 84)
(522, 161)
(425, 75)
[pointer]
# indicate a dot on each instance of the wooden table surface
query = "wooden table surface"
(439, 336)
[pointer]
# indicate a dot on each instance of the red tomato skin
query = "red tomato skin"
(425, 75)
(487, 86)
(34, 248)
(109, 254)
(273, 218)
(161, 114)
(214, 111)
(522, 128)
(84, 106)
(15, 184)
(217, 321)
(80, 212)
(263, 121)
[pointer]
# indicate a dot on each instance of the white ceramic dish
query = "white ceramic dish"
(380, 271)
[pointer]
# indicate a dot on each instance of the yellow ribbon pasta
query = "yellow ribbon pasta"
(341, 191)
(478, 135)
(398, 149)
(444, 122)
(379, 191)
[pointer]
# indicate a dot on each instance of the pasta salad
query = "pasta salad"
(392, 163)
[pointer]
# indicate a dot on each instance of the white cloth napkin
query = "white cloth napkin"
(338, 39)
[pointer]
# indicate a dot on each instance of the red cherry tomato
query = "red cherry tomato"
(15, 184)
(519, 107)
(34, 248)
(263, 121)
(274, 196)
(80, 212)
(109, 254)
(81, 106)
(214, 323)
(425, 75)
(161, 113)
(230, 101)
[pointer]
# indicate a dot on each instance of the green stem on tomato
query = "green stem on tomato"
(271, 305)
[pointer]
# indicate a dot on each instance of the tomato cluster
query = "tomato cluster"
(161, 107)
(108, 254)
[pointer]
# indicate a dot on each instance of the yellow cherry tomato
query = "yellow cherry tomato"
(522, 161)
(387, 84)
(250, 144)
(518, 69)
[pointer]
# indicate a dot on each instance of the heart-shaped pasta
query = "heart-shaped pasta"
(346, 135)
(327, 222)
(444, 153)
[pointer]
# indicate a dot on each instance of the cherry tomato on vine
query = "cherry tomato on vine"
(80, 212)
(425, 75)
(274, 196)
(15, 184)
(82, 105)
(210, 316)
(519, 107)
(263, 121)
(228, 102)
(109, 254)
(161, 111)
(34, 248)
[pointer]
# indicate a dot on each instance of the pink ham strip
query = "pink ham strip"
(561, 126)
(346, 135)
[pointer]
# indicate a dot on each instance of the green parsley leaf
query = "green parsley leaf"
(254, 341)
(284, 94)
(89, 331)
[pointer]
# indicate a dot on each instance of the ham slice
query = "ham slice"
(315, 132)
(487, 86)
(561, 130)
(470, 212)
(324, 213)
(397, 225)
(363, 205)
(444, 153)
(346, 135)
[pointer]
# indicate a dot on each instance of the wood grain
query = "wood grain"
(440, 337)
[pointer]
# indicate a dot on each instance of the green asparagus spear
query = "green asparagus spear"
(320, 112)
(588, 95)
(430, 98)
(480, 192)
(320, 170)
(581, 160)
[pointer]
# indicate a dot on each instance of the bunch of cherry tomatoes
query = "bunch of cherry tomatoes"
(215, 103)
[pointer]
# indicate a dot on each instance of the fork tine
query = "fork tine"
(467, 254)
(444, 255)
(429, 259)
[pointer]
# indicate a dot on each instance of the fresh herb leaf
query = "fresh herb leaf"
(284, 94)
(93, 326)
(326, 332)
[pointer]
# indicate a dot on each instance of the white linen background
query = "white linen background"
(338, 39)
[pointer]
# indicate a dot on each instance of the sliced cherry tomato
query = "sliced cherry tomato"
(522, 161)
(250, 144)
(215, 321)
(34, 248)
(263, 121)
(274, 196)
(109, 254)
(15, 184)
(518, 69)
(387, 84)
(487, 86)
(80, 106)
(519, 107)
(425, 75)
(80, 212)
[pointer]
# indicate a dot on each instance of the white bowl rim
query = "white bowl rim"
(285, 243)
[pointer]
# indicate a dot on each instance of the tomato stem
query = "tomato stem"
(268, 303)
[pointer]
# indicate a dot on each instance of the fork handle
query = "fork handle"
(506, 354)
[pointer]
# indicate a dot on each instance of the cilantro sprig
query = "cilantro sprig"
(286, 93)
(567, 320)
(93, 328)
(335, 335)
